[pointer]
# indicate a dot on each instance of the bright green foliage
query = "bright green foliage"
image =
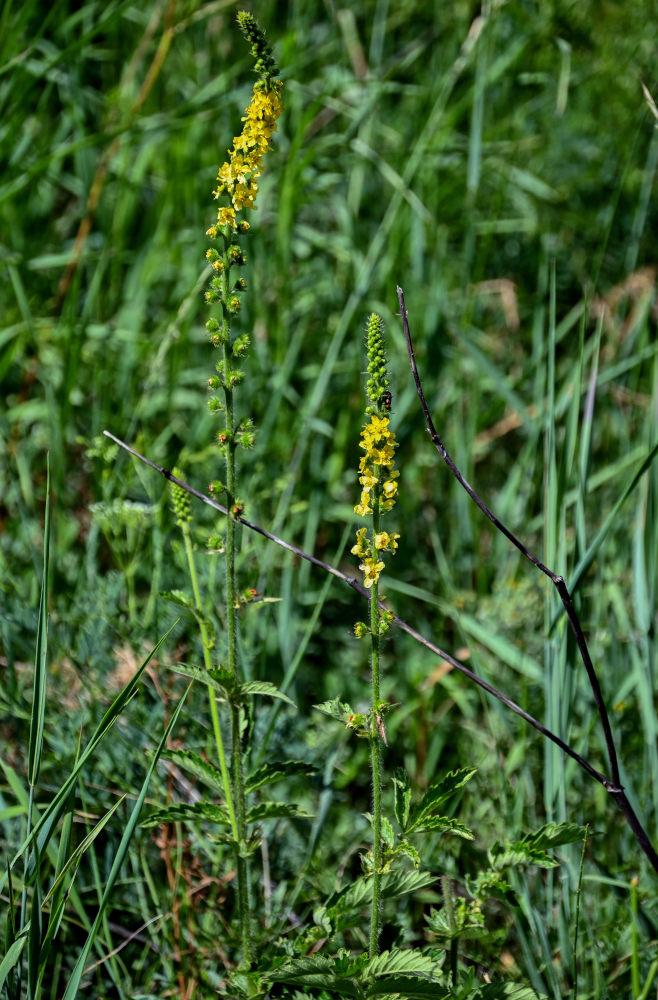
(456, 150)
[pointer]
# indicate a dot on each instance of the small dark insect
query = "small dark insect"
(387, 399)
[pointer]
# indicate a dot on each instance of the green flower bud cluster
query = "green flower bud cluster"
(245, 434)
(243, 437)
(181, 501)
(224, 287)
(264, 65)
(216, 543)
(224, 381)
(377, 386)
(241, 345)
(385, 624)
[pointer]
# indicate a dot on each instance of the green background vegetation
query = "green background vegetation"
(474, 156)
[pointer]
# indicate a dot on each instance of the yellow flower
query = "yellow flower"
(362, 546)
(368, 480)
(225, 217)
(385, 541)
(390, 489)
(371, 570)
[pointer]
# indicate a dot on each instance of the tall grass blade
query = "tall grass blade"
(44, 827)
(39, 688)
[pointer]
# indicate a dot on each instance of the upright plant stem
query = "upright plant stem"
(231, 621)
(207, 659)
(376, 760)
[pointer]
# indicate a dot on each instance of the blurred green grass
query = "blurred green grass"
(460, 152)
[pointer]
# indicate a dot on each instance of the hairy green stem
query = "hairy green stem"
(376, 759)
(207, 659)
(242, 870)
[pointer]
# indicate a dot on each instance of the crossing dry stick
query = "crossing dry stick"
(614, 786)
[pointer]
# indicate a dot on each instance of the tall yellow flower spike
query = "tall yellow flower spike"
(377, 475)
(238, 176)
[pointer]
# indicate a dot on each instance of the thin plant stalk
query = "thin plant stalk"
(378, 491)
(207, 659)
(376, 760)
(237, 178)
(240, 833)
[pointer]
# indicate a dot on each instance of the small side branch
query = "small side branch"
(558, 581)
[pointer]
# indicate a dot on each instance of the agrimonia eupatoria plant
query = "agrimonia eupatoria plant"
(238, 177)
(378, 481)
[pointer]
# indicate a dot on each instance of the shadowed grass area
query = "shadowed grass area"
(498, 162)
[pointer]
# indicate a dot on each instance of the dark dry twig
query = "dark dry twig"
(613, 787)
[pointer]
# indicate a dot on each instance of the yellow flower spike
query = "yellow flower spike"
(238, 175)
(378, 490)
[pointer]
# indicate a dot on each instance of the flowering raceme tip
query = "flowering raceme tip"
(378, 492)
(238, 176)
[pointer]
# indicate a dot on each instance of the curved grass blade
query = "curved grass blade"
(44, 827)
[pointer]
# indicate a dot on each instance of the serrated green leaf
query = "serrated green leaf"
(402, 960)
(437, 794)
(196, 765)
(492, 884)
(321, 972)
(464, 923)
(272, 810)
(508, 855)
(188, 812)
(387, 832)
(444, 823)
(554, 835)
(336, 709)
(507, 991)
(219, 679)
(404, 847)
(394, 884)
(402, 801)
(177, 597)
(270, 773)
(265, 688)
(410, 988)
(400, 883)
